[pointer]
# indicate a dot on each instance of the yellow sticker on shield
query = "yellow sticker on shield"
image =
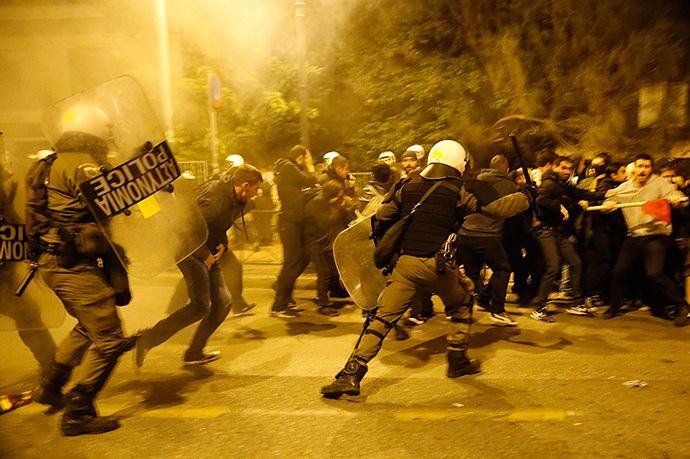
(149, 206)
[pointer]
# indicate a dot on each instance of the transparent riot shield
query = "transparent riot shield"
(132, 192)
(37, 308)
(353, 252)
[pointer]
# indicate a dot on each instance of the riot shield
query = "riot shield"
(38, 307)
(353, 252)
(131, 195)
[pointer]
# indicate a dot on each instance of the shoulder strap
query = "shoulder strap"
(426, 195)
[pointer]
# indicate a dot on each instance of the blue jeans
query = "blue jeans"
(209, 303)
(555, 247)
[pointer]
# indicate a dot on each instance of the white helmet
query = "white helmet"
(418, 150)
(86, 119)
(328, 157)
(387, 157)
(41, 154)
(234, 161)
(450, 153)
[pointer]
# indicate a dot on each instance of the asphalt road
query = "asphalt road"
(579, 388)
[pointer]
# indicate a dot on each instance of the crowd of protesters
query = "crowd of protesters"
(594, 238)
(558, 254)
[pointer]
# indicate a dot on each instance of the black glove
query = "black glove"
(531, 192)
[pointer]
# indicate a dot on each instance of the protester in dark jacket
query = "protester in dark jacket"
(221, 203)
(293, 174)
(325, 216)
(555, 243)
(339, 170)
(605, 234)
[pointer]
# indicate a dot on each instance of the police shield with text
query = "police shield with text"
(418, 266)
(130, 190)
(92, 211)
(37, 309)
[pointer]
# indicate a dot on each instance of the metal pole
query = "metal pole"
(166, 87)
(301, 51)
(215, 164)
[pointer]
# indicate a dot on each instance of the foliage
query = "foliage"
(386, 74)
(577, 64)
(415, 80)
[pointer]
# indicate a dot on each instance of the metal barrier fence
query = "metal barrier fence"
(362, 179)
(196, 172)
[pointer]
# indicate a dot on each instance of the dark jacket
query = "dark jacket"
(329, 175)
(614, 222)
(290, 179)
(220, 207)
(480, 225)
(322, 223)
(553, 192)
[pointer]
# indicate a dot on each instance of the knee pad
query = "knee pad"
(379, 328)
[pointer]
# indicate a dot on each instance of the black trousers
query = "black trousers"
(474, 252)
(600, 256)
(652, 251)
(520, 265)
(327, 278)
(295, 261)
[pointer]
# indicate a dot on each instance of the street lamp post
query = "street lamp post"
(166, 87)
(301, 51)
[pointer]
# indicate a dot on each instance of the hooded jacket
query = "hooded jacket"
(323, 221)
(552, 193)
(290, 179)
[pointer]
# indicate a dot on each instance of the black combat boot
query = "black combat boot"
(460, 365)
(676, 313)
(347, 381)
(50, 390)
(80, 415)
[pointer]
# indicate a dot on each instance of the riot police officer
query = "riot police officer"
(74, 244)
(434, 220)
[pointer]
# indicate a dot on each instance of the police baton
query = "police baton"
(528, 178)
(33, 267)
(521, 156)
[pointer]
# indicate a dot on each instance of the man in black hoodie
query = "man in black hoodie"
(552, 236)
(293, 174)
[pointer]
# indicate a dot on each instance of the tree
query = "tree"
(577, 64)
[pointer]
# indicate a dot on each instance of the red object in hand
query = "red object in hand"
(659, 209)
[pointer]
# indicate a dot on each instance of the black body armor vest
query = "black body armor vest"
(435, 219)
